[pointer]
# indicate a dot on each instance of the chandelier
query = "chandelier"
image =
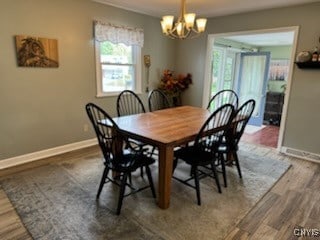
(184, 27)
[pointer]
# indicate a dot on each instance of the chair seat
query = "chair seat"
(136, 144)
(225, 148)
(130, 162)
(192, 155)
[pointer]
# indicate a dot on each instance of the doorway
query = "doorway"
(225, 70)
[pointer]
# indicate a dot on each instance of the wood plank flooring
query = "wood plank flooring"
(10, 224)
(268, 136)
(292, 203)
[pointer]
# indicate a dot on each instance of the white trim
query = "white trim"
(288, 87)
(137, 66)
(207, 76)
(313, 157)
(207, 72)
(30, 157)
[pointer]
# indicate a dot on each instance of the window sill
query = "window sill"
(113, 94)
(107, 95)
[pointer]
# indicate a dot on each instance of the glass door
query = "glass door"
(223, 69)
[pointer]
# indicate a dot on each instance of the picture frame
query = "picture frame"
(279, 69)
(36, 51)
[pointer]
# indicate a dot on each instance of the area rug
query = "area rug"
(57, 201)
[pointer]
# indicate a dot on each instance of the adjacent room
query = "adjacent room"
(159, 119)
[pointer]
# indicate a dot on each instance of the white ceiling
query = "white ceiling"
(212, 8)
(203, 8)
(265, 39)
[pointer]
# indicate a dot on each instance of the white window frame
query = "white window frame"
(136, 51)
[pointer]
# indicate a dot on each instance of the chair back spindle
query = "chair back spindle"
(157, 100)
(215, 128)
(129, 103)
(241, 118)
(226, 96)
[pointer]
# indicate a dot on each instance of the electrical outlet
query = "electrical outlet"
(85, 127)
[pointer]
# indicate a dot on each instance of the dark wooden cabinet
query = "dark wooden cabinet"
(273, 108)
(310, 65)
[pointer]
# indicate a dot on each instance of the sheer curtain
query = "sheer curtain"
(118, 34)
(252, 75)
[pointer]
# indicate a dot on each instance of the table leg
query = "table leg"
(165, 174)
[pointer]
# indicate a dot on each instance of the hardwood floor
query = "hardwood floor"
(292, 203)
(268, 136)
(10, 224)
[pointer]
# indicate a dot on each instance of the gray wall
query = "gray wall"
(278, 52)
(42, 108)
(302, 129)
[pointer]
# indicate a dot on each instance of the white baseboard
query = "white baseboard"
(313, 157)
(30, 157)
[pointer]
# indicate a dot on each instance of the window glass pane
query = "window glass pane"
(115, 53)
(117, 78)
(119, 68)
(216, 66)
(228, 69)
(228, 73)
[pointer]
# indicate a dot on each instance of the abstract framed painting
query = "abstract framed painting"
(36, 52)
(279, 69)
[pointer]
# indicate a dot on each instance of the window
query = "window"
(118, 68)
(223, 69)
(216, 69)
(118, 59)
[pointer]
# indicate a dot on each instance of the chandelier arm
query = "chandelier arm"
(174, 36)
(182, 29)
(195, 30)
(188, 33)
(195, 36)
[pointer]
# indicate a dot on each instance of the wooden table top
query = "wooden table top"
(172, 126)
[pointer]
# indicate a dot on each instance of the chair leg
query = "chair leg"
(175, 163)
(130, 179)
(141, 168)
(236, 159)
(192, 169)
(152, 151)
(214, 171)
(223, 166)
(196, 182)
(103, 180)
(150, 181)
(121, 194)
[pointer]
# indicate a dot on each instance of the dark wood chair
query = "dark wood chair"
(115, 158)
(204, 151)
(226, 96)
(157, 100)
(230, 146)
(129, 103)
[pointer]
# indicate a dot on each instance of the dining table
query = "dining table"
(164, 129)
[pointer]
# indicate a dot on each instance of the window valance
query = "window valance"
(118, 34)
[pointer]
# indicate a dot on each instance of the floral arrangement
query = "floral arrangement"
(174, 84)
